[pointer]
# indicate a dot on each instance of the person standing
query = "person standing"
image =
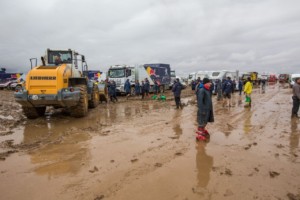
(296, 98)
(147, 87)
(155, 88)
(218, 89)
(177, 87)
(263, 85)
(248, 91)
(127, 88)
(227, 90)
(112, 91)
(143, 89)
(205, 110)
(240, 87)
(233, 86)
(193, 85)
(137, 88)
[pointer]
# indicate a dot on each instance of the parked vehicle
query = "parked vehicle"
(252, 75)
(153, 72)
(202, 75)
(4, 77)
(6, 84)
(292, 79)
(58, 83)
(272, 78)
(283, 78)
(173, 78)
(192, 77)
(223, 74)
(19, 84)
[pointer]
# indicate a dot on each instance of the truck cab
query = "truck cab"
(119, 74)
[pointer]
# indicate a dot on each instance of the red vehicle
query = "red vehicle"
(272, 78)
(283, 78)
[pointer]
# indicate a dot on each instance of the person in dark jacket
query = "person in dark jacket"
(233, 86)
(296, 98)
(156, 87)
(227, 90)
(240, 87)
(137, 88)
(177, 87)
(143, 89)
(193, 85)
(205, 109)
(147, 87)
(112, 91)
(127, 88)
(219, 89)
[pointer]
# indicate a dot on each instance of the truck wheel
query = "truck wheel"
(81, 109)
(93, 103)
(33, 113)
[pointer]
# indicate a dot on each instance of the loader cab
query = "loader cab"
(55, 57)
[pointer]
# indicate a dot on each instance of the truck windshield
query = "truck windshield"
(215, 73)
(116, 73)
(191, 76)
(58, 57)
(173, 74)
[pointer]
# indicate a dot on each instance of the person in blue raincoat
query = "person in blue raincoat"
(127, 88)
(147, 87)
(137, 88)
(227, 90)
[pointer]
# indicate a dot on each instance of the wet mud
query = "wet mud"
(137, 149)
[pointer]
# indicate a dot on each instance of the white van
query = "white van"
(223, 74)
(202, 75)
(192, 76)
(292, 79)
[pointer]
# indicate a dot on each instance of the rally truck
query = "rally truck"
(159, 73)
(59, 83)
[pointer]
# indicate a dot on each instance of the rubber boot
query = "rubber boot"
(202, 134)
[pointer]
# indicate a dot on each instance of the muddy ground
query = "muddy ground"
(147, 150)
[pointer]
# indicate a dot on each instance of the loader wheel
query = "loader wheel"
(32, 112)
(93, 103)
(81, 109)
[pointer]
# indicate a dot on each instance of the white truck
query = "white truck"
(192, 76)
(159, 73)
(223, 74)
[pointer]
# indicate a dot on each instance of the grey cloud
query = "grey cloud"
(191, 35)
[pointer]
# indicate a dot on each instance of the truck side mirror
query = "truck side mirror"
(82, 58)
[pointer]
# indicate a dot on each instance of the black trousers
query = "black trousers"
(296, 103)
(177, 101)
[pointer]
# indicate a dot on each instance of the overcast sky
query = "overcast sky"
(191, 35)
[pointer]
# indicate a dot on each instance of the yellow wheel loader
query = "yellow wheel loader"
(58, 83)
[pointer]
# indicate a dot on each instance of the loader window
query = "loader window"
(58, 57)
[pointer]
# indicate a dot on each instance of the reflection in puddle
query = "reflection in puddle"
(247, 120)
(204, 165)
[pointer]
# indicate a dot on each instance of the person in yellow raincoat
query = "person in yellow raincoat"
(248, 91)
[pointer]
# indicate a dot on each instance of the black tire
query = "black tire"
(93, 103)
(81, 109)
(32, 112)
